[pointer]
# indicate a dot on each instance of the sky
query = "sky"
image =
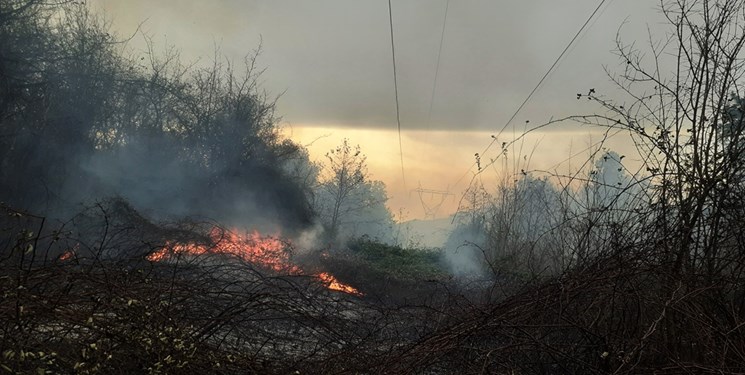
(331, 61)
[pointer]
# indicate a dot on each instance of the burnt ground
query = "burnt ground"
(107, 309)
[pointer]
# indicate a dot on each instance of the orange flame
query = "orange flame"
(268, 252)
(67, 255)
(332, 283)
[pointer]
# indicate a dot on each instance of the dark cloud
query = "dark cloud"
(333, 57)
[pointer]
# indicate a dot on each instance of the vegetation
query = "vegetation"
(651, 275)
(397, 262)
(81, 119)
(605, 270)
(348, 202)
(96, 313)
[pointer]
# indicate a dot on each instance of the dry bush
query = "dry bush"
(107, 309)
(657, 286)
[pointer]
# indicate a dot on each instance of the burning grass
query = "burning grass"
(220, 303)
(205, 303)
(267, 252)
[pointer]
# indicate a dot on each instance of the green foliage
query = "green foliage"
(399, 262)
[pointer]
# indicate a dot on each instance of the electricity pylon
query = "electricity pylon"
(432, 205)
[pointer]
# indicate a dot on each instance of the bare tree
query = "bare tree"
(687, 126)
(348, 199)
(347, 172)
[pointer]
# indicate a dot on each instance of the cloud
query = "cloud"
(332, 58)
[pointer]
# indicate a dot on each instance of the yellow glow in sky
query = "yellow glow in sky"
(444, 160)
(331, 59)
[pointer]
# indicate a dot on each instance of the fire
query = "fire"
(267, 252)
(69, 254)
(332, 283)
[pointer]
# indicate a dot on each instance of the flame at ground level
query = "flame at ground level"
(67, 255)
(332, 283)
(265, 251)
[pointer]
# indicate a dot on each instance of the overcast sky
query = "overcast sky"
(332, 60)
(333, 57)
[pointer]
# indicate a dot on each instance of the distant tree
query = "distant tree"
(347, 200)
(522, 225)
(346, 174)
(510, 229)
(373, 218)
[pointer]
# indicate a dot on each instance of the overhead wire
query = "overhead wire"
(537, 86)
(395, 87)
(437, 66)
(551, 69)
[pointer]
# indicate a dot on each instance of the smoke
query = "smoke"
(309, 238)
(463, 252)
(154, 175)
(83, 122)
(95, 125)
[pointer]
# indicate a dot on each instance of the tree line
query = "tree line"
(85, 117)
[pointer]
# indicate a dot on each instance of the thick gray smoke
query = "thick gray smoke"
(153, 177)
(82, 122)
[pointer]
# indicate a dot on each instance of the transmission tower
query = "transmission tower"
(435, 200)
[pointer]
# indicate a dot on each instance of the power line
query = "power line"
(437, 67)
(395, 86)
(551, 69)
(537, 86)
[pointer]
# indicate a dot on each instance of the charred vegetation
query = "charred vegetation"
(147, 275)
